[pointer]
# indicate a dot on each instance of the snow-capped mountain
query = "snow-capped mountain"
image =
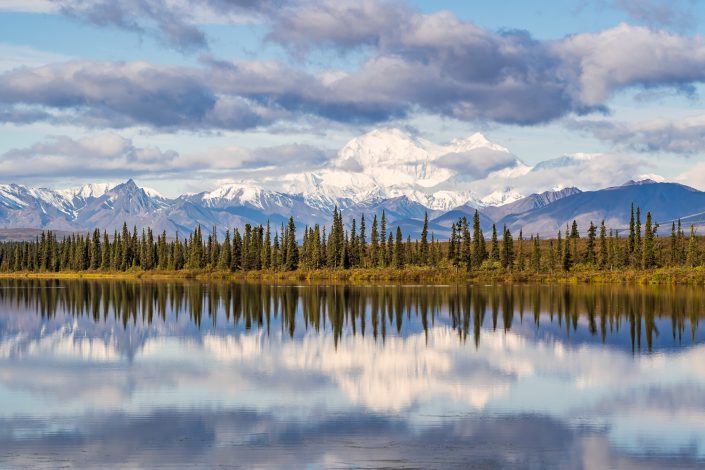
(390, 163)
(384, 170)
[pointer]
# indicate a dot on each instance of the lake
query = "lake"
(188, 374)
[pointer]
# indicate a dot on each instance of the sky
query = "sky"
(183, 95)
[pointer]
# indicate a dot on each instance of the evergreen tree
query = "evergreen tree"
(507, 252)
(95, 251)
(648, 259)
(399, 249)
(363, 242)
(292, 250)
(632, 235)
(494, 251)
(574, 233)
(105, 253)
(266, 252)
(604, 251)
(567, 261)
(424, 255)
(236, 257)
(520, 252)
(354, 247)
(681, 243)
(225, 260)
(637, 258)
(453, 255)
(374, 243)
(478, 241)
(383, 238)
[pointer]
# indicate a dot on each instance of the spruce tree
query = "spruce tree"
(494, 250)
(632, 235)
(424, 255)
(567, 261)
(383, 252)
(520, 252)
(648, 259)
(105, 256)
(637, 258)
(292, 250)
(96, 252)
(225, 261)
(507, 252)
(363, 241)
(478, 241)
(266, 252)
(604, 250)
(374, 243)
(236, 257)
(399, 249)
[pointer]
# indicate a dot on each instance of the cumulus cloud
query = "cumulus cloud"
(684, 136)
(678, 14)
(598, 64)
(111, 155)
(98, 155)
(174, 22)
(433, 63)
(477, 163)
(585, 171)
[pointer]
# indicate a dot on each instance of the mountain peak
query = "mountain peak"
(475, 141)
(86, 191)
(639, 182)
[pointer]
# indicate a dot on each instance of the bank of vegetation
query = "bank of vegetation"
(384, 254)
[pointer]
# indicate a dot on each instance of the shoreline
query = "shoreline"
(658, 276)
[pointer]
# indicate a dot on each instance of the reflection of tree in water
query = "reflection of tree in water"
(601, 311)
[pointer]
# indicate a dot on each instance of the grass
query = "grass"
(431, 275)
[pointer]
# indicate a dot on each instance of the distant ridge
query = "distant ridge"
(25, 210)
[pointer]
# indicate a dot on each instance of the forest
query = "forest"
(277, 249)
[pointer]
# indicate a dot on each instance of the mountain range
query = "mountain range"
(384, 170)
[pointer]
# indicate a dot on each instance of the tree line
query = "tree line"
(263, 247)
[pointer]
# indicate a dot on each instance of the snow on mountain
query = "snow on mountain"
(11, 196)
(87, 191)
(241, 194)
(385, 169)
(499, 198)
(18, 196)
(393, 158)
(389, 163)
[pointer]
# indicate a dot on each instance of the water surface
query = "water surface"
(127, 374)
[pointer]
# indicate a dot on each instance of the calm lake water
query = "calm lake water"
(123, 374)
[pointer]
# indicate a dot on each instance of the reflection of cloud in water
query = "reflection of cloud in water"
(68, 341)
(421, 377)
(250, 439)
(385, 377)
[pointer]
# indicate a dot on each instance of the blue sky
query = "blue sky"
(159, 90)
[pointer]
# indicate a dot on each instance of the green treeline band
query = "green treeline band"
(276, 249)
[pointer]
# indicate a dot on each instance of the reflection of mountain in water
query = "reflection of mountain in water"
(239, 365)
